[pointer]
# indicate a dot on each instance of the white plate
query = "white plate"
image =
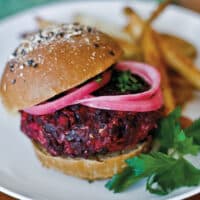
(21, 175)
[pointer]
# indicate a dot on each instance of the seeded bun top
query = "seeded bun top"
(53, 61)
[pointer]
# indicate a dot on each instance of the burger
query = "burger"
(83, 110)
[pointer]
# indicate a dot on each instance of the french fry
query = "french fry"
(158, 11)
(135, 25)
(152, 56)
(180, 64)
(182, 90)
(184, 47)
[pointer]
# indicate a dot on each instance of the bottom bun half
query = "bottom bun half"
(91, 169)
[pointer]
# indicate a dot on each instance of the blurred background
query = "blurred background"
(9, 7)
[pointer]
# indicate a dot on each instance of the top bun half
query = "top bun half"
(53, 61)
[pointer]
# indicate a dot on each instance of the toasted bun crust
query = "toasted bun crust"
(90, 169)
(53, 61)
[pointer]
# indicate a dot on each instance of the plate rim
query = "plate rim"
(13, 194)
(49, 5)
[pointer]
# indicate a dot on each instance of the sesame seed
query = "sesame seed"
(50, 34)
(30, 63)
(11, 68)
(21, 74)
(76, 23)
(35, 65)
(96, 45)
(21, 66)
(60, 35)
(87, 40)
(112, 53)
(4, 87)
(23, 52)
(89, 29)
(13, 81)
(15, 53)
(76, 29)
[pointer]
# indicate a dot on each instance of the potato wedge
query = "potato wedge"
(158, 11)
(135, 24)
(182, 90)
(180, 63)
(155, 14)
(182, 46)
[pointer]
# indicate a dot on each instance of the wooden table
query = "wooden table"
(5, 197)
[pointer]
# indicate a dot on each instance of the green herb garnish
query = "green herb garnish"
(168, 169)
(164, 173)
(98, 79)
(194, 131)
(174, 139)
(125, 81)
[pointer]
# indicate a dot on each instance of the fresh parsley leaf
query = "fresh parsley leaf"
(185, 145)
(122, 181)
(125, 81)
(138, 168)
(173, 138)
(149, 163)
(194, 131)
(98, 79)
(179, 173)
(165, 131)
(164, 173)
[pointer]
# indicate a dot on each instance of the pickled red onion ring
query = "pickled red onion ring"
(69, 98)
(143, 105)
(142, 102)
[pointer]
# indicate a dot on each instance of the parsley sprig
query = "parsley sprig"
(127, 82)
(194, 131)
(167, 169)
(98, 79)
(173, 139)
